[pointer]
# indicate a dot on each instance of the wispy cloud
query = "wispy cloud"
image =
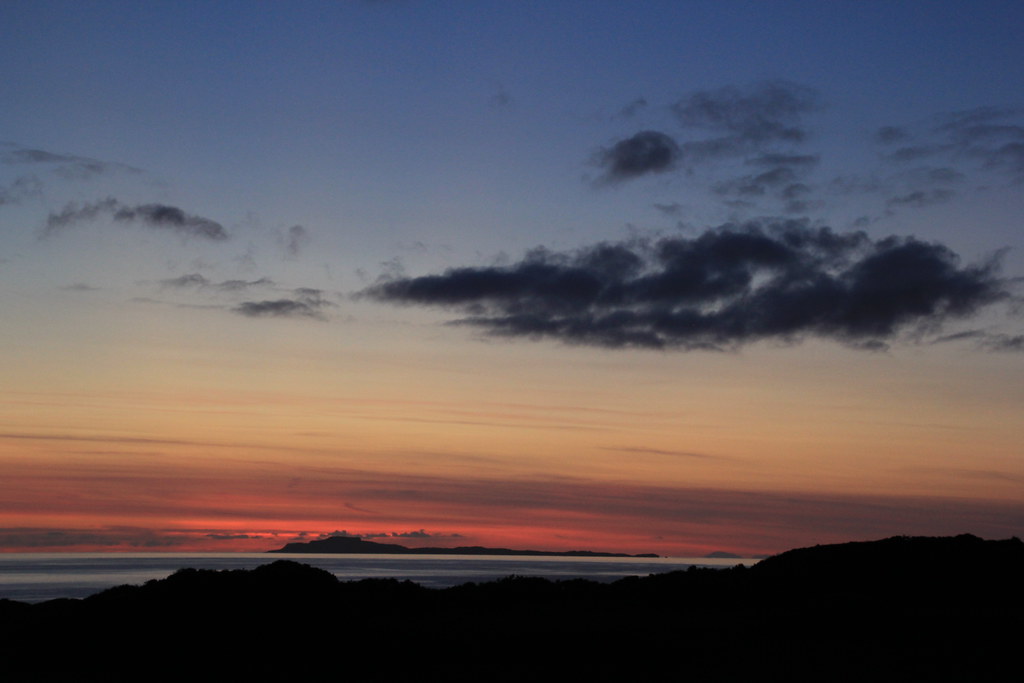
(745, 120)
(157, 216)
(69, 166)
(199, 281)
(992, 137)
(296, 239)
(21, 188)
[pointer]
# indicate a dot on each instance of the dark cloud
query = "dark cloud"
(172, 218)
(730, 286)
(919, 198)
(646, 152)
(159, 216)
(279, 308)
(745, 119)
(305, 303)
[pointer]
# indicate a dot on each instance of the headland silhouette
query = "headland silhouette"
(352, 545)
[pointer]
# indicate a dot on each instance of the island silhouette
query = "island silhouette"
(356, 545)
(897, 609)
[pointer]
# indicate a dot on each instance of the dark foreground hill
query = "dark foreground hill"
(908, 609)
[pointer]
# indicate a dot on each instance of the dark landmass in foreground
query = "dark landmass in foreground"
(350, 545)
(908, 609)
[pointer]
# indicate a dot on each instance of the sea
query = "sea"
(37, 577)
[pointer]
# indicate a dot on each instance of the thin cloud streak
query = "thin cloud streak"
(275, 502)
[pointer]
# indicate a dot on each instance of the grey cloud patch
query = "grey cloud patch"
(944, 175)
(501, 99)
(759, 184)
(791, 160)
(67, 165)
(198, 281)
(1004, 342)
(21, 188)
(296, 239)
(919, 198)
(305, 303)
(74, 213)
(745, 119)
(159, 216)
(992, 136)
(232, 537)
(187, 280)
(988, 341)
(641, 154)
(421, 533)
(734, 285)
(26, 537)
(633, 108)
(888, 135)
(672, 209)
(782, 180)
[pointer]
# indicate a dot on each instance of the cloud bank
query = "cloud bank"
(730, 286)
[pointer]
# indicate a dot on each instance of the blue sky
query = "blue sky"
(207, 197)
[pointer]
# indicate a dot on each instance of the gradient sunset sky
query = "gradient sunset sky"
(664, 277)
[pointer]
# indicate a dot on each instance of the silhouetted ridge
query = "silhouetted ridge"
(906, 609)
(897, 559)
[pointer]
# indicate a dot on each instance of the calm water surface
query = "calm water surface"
(34, 577)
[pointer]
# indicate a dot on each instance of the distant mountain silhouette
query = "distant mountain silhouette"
(354, 545)
(899, 609)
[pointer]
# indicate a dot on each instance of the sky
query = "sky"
(667, 277)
